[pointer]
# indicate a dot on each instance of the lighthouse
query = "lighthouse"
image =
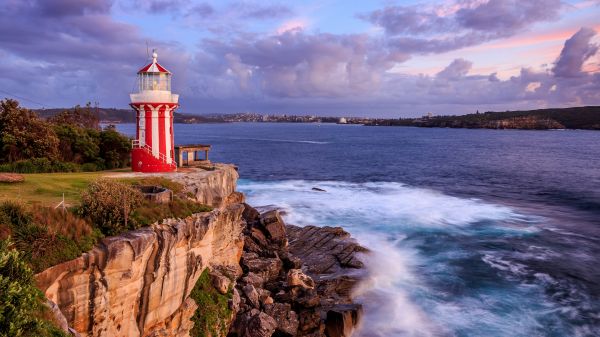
(154, 105)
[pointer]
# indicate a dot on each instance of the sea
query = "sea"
(471, 232)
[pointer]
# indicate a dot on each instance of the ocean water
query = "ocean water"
(472, 232)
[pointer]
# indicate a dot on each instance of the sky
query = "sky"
(329, 57)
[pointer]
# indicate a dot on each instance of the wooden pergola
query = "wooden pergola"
(192, 155)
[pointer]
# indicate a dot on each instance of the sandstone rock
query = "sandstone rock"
(267, 268)
(342, 319)
(296, 278)
(234, 302)
(310, 320)
(324, 250)
(11, 178)
(250, 214)
(134, 284)
(220, 282)
(260, 325)
(290, 261)
(252, 295)
(286, 318)
(274, 226)
(208, 187)
(254, 279)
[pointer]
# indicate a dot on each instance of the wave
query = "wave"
(438, 265)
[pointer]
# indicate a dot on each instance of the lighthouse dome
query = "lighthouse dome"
(154, 83)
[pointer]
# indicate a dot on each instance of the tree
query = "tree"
(21, 303)
(78, 116)
(115, 148)
(23, 135)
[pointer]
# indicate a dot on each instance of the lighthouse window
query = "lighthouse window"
(158, 81)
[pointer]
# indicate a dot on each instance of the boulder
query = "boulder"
(252, 295)
(259, 324)
(296, 278)
(250, 214)
(274, 226)
(254, 279)
(286, 318)
(220, 282)
(267, 268)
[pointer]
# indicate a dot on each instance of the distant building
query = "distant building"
(342, 121)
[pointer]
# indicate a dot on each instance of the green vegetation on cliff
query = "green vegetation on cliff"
(22, 309)
(213, 315)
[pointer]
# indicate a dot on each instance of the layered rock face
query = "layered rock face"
(215, 188)
(138, 283)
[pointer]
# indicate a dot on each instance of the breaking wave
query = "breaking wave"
(440, 265)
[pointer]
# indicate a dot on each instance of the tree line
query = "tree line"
(69, 141)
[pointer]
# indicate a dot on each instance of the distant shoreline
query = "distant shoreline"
(575, 118)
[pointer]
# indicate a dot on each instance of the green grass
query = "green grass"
(213, 313)
(46, 189)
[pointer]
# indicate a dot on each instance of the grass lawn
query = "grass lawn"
(47, 188)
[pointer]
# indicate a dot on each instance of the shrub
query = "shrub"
(21, 303)
(109, 204)
(89, 167)
(150, 212)
(213, 314)
(38, 165)
(45, 236)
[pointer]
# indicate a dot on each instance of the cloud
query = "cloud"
(575, 52)
(455, 70)
(77, 51)
(442, 28)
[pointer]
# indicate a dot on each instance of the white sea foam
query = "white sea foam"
(381, 216)
(371, 204)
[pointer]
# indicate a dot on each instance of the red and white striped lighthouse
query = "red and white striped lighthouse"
(154, 105)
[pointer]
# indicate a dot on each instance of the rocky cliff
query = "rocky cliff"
(281, 280)
(138, 284)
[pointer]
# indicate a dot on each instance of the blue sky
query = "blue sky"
(345, 58)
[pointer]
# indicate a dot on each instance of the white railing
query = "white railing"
(136, 145)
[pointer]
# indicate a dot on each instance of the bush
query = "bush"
(109, 204)
(21, 303)
(213, 314)
(46, 236)
(39, 165)
(89, 167)
(150, 212)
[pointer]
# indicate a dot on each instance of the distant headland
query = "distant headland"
(586, 117)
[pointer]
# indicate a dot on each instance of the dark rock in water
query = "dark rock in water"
(298, 289)
(324, 250)
(318, 189)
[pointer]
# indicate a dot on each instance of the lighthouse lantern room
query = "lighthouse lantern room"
(154, 104)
